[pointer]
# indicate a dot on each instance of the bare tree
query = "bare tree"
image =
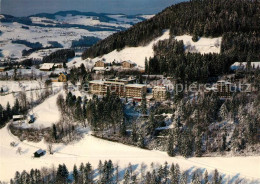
(50, 148)
(19, 150)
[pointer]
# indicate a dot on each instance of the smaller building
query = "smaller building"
(62, 77)
(159, 93)
(100, 64)
(39, 153)
(18, 117)
(2, 69)
(50, 66)
(47, 66)
(128, 64)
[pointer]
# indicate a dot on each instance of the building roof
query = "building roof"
(161, 88)
(47, 66)
(97, 82)
(17, 116)
(136, 85)
(40, 151)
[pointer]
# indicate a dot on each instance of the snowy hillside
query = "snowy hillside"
(46, 113)
(203, 45)
(138, 54)
(59, 28)
(91, 149)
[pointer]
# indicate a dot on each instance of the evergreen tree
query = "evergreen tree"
(170, 147)
(75, 174)
(54, 132)
(216, 177)
(126, 177)
(198, 145)
(16, 107)
(17, 178)
(8, 111)
(223, 112)
(143, 104)
(123, 128)
(206, 177)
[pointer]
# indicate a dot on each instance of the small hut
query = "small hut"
(39, 153)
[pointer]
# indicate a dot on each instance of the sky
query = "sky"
(130, 7)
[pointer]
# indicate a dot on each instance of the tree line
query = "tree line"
(109, 173)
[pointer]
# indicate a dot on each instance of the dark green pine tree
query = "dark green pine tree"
(2, 120)
(151, 124)
(62, 174)
(170, 147)
(126, 177)
(54, 132)
(123, 128)
(198, 146)
(17, 178)
(8, 111)
(146, 66)
(206, 177)
(16, 107)
(172, 173)
(216, 177)
(75, 174)
(177, 174)
(143, 104)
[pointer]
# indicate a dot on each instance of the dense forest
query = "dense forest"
(59, 56)
(84, 41)
(109, 172)
(197, 17)
(236, 21)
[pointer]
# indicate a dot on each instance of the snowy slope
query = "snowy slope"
(91, 149)
(135, 54)
(44, 30)
(203, 45)
(138, 54)
(46, 113)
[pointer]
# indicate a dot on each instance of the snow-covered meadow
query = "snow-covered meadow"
(91, 149)
(138, 54)
(46, 29)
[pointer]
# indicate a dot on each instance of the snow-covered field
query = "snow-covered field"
(138, 54)
(63, 35)
(91, 149)
(203, 45)
(46, 113)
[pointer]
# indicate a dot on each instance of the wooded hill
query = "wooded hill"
(237, 21)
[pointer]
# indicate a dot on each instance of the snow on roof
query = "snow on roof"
(99, 68)
(40, 151)
(159, 88)
(97, 82)
(47, 66)
(136, 85)
(17, 116)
